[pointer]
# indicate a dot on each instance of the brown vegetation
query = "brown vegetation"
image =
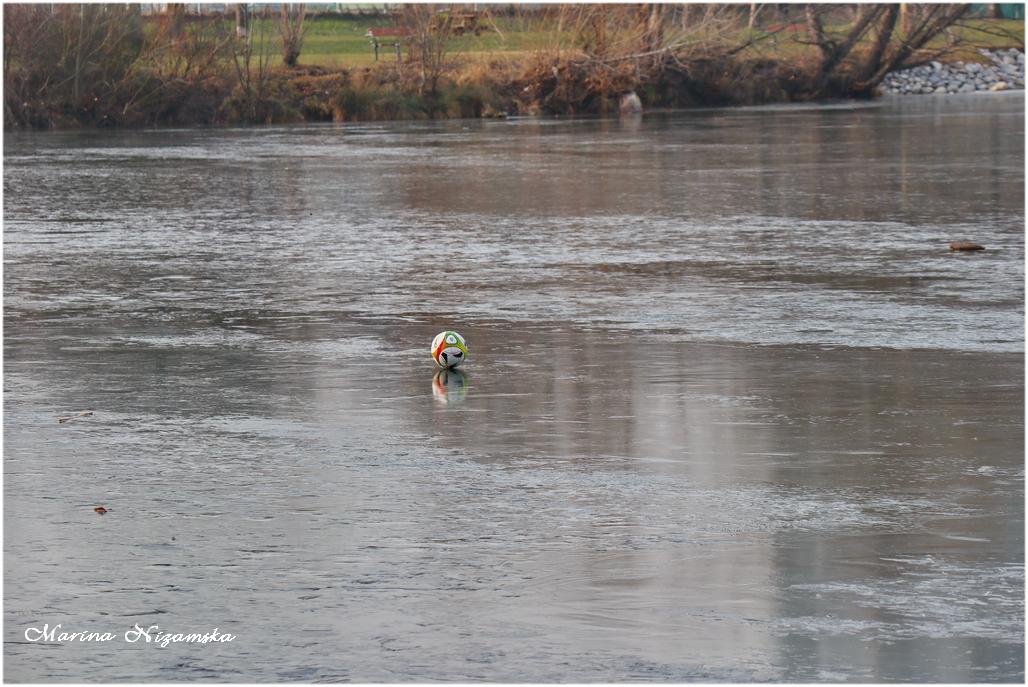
(96, 65)
(291, 29)
(847, 58)
(107, 65)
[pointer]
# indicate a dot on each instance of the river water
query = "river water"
(733, 410)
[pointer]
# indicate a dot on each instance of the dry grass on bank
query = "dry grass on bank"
(122, 69)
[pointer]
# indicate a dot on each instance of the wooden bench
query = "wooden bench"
(388, 36)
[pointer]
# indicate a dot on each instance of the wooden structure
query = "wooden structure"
(460, 23)
(388, 36)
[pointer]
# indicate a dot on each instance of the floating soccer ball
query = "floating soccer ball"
(449, 349)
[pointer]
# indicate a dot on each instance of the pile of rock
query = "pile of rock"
(1005, 72)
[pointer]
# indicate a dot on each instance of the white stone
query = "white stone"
(630, 103)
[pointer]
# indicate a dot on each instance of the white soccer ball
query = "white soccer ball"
(449, 349)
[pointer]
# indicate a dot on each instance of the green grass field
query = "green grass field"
(339, 41)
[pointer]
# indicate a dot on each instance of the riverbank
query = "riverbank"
(573, 60)
(544, 86)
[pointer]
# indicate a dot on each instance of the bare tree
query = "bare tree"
(242, 13)
(429, 29)
(906, 17)
(889, 50)
(96, 65)
(655, 33)
(70, 57)
(173, 61)
(291, 28)
(601, 52)
(931, 22)
(174, 18)
(754, 10)
(251, 56)
(834, 49)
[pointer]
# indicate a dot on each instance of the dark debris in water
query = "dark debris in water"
(69, 418)
(966, 246)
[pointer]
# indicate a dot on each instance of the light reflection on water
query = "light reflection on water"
(733, 411)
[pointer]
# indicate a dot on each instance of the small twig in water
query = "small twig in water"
(69, 418)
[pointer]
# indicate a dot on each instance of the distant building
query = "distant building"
(209, 8)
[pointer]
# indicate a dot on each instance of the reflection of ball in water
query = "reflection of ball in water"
(449, 349)
(449, 386)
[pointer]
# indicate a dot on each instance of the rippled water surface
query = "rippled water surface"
(734, 411)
